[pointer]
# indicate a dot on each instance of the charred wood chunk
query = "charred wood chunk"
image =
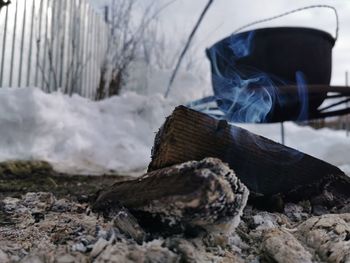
(204, 194)
(264, 166)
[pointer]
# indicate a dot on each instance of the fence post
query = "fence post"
(13, 46)
(22, 44)
(29, 64)
(63, 45)
(4, 48)
(43, 67)
(62, 40)
(38, 44)
(57, 43)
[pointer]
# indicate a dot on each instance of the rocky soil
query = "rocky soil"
(58, 226)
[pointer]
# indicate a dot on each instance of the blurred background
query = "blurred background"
(90, 76)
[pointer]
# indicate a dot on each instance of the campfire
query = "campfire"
(213, 192)
(201, 174)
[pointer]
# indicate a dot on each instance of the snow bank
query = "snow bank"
(77, 135)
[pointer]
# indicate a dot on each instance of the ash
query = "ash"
(38, 228)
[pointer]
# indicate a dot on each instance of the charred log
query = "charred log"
(267, 168)
(204, 194)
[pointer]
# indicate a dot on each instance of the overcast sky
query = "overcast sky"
(225, 16)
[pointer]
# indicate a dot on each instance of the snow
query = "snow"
(77, 135)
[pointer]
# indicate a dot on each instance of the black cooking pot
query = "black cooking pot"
(279, 55)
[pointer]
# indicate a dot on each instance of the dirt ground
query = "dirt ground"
(46, 217)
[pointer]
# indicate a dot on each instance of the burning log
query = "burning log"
(267, 168)
(189, 196)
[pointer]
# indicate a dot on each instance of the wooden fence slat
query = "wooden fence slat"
(90, 49)
(57, 40)
(20, 62)
(51, 47)
(29, 64)
(38, 42)
(4, 48)
(13, 46)
(45, 81)
(85, 51)
(95, 69)
(63, 43)
(69, 46)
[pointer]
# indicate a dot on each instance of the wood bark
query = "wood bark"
(264, 166)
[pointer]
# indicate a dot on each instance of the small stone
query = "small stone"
(283, 247)
(100, 245)
(79, 247)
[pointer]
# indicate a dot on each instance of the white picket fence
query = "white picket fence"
(52, 44)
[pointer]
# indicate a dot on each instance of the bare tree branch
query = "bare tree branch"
(124, 43)
(187, 46)
(3, 3)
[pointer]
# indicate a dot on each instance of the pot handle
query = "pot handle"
(295, 11)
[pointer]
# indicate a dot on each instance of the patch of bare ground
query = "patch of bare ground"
(44, 221)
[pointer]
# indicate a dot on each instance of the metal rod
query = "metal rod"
(335, 104)
(314, 89)
(336, 96)
(282, 133)
(322, 115)
(187, 46)
(347, 104)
